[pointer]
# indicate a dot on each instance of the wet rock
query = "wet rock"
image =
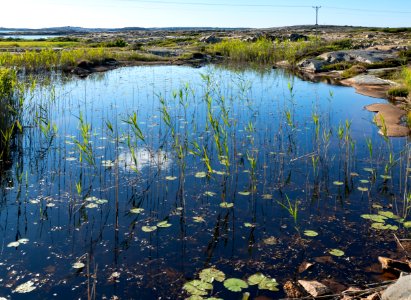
(374, 296)
(312, 65)
(365, 79)
(392, 264)
(314, 288)
(305, 266)
(210, 39)
(293, 290)
(401, 290)
(389, 118)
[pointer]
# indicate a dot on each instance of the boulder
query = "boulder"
(294, 37)
(312, 65)
(210, 39)
(363, 56)
(401, 290)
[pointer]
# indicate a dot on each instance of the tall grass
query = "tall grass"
(267, 51)
(49, 59)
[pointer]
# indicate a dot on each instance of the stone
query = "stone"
(293, 290)
(294, 37)
(312, 65)
(392, 117)
(210, 39)
(363, 56)
(314, 288)
(401, 290)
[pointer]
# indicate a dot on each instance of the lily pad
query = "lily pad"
(13, 244)
(244, 193)
(211, 274)
(385, 177)
(136, 210)
(407, 224)
(310, 233)
(235, 284)
(267, 196)
(338, 183)
(198, 219)
(249, 225)
(362, 189)
(200, 174)
(388, 214)
(163, 224)
(369, 170)
(255, 279)
(26, 287)
(107, 163)
(336, 252)
(268, 284)
(23, 241)
(171, 178)
(78, 265)
(375, 218)
(197, 287)
(270, 240)
(92, 205)
(226, 205)
(210, 194)
(364, 181)
(149, 228)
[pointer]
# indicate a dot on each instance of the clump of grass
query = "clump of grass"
(353, 71)
(400, 91)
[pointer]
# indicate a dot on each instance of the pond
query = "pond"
(130, 183)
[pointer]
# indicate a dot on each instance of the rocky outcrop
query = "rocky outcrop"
(389, 119)
(210, 39)
(401, 290)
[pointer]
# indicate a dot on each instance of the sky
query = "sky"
(202, 13)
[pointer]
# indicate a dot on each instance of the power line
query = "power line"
(317, 8)
(263, 5)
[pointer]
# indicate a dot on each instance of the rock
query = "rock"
(392, 116)
(388, 263)
(374, 296)
(364, 79)
(210, 39)
(312, 65)
(401, 290)
(294, 37)
(314, 288)
(293, 290)
(363, 56)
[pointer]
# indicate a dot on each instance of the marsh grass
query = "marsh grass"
(267, 51)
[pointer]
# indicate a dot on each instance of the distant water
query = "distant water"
(28, 37)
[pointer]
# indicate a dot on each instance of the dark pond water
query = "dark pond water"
(239, 165)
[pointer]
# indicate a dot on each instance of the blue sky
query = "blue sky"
(218, 13)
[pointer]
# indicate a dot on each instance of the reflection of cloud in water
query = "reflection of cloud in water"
(145, 158)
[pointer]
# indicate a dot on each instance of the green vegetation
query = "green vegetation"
(353, 71)
(404, 78)
(267, 51)
(398, 92)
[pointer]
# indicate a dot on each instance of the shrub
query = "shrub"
(354, 71)
(398, 92)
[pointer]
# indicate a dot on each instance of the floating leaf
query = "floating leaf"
(136, 210)
(270, 241)
(385, 177)
(226, 205)
(101, 201)
(171, 178)
(354, 174)
(375, 218)
(244, 193)
(107, 163)
(35, 201)
(255, 279)
(210, 194)
(91, 205)
(163, 224)
(219, 172)
(267, 196)
(407, 224)
(78, 265)
(91, 199)
(364, 181)
(197, 287)
(235, 284)
(211, 274)
(388, 214)
(381, 226)
(249, 225)
(198, 219)
(23, 241)
(362, 189)
(26, 287)
(338, 183)
(268, 284)
(310, 233)
(149, 228)
(369, 170)
(13, 244)
(377, 206)
(200, 174)
(336, 252)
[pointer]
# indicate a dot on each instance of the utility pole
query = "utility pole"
(317, 8)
